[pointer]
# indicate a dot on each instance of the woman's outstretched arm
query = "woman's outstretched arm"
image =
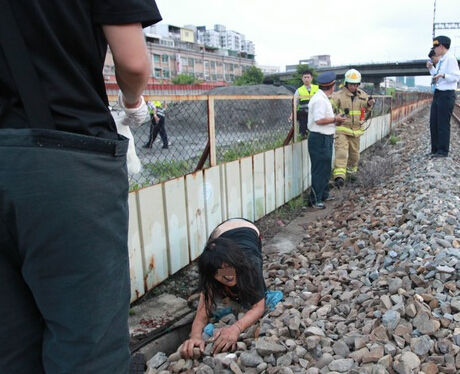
(196, 340)
(226, 338)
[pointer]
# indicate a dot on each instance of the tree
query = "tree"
(296, 79)
(252, 75)
(184, 79)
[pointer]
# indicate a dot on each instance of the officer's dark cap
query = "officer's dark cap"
(326, 79)
(444, 40)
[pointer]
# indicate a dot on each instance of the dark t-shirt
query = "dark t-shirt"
(67, 48)
(249, 242)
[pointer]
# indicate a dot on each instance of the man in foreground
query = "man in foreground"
(64, 275)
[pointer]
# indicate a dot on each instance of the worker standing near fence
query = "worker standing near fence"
(353, 103)
(302, 97)
(157, 124)
(321, 124)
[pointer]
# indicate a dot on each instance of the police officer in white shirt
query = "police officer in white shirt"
(321, 123)
(446, 74)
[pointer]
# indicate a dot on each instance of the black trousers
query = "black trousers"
(440, 114)
(64, 273)
(156, 128)
(302, 117)
(320, 150)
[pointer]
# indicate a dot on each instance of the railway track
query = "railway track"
(456, 113)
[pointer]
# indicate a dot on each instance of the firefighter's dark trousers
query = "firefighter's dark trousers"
(320, 150)
(441, 112)
(64, 275)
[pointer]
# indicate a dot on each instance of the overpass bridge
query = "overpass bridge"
(372, 72)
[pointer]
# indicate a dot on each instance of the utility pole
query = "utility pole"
(443, 25)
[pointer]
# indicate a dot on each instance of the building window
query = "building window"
(166, 73)
(190, 62)
(165, 59)
(213, 64)
(213, 77)
(156, 58)
(157, 73)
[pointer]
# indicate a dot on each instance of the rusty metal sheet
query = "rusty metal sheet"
(176, 219)
(136, 268)
(259, 186)
(153, 235)
(306, 174)
(213, 200)
(296, 169)
(288, 188)
(196, 213)
(279, 176)
(270, 191)
(233, 189)
(247, 188)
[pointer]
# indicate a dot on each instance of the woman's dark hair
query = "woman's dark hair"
(216, 252)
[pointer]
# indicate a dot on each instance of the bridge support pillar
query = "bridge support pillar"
(376, 82)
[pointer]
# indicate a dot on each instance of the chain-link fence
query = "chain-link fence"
(239, 126)
(245, 126)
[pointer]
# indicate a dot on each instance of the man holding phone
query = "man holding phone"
(445, 78)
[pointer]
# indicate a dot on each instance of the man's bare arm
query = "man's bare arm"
(132, 65)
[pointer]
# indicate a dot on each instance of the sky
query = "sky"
(353, 31)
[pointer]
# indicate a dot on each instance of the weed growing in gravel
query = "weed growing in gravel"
(394, 139)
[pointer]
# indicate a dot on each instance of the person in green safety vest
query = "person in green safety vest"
(302, 97)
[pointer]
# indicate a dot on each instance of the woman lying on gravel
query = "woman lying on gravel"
(230, 269)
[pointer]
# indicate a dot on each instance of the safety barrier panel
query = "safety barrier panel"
(171, 221)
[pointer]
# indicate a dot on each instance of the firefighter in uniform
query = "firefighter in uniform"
(353, 103)
(302, 97)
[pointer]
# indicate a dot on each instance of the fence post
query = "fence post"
(212, 132)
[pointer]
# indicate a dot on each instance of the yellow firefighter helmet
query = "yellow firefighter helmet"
(352, 76)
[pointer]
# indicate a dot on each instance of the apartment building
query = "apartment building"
(188, 58)
(216, 55)
(317, 61)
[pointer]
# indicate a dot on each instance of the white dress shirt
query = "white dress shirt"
(320, 107)
(448, 66)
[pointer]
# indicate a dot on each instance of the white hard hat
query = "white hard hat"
(352, 76)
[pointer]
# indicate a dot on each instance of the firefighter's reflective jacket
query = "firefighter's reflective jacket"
(344, 102)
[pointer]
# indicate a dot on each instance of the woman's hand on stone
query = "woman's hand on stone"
(225, 339)
(187, 348)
